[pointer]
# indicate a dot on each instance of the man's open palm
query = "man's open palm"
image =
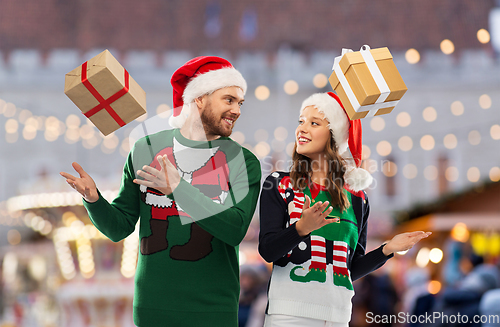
(85, 185)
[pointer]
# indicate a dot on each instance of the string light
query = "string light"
(457, 108)
(450, 141)
(261, 135)
(405, 143)
(320, 80)
(427, 142)
(262, 92)
(410, 171)
(429, 114)
(238, 137)
(483, 36)
(384, 148)
(377, 124)
(473, 174)
(262, 149)
(451, 174)
(412, 56)
(291, 87)
(447, 47)
(403, 119)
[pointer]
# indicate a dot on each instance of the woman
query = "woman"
(313, 222)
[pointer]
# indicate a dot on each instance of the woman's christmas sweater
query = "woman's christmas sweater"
(187, 272)
(312, 275)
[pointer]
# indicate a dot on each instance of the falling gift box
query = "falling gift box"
(367, 82)
(105, 93)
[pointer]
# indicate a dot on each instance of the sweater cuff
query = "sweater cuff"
(96, 204)
(386, 257)
(292, 237)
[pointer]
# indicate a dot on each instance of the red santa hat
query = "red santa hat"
(346, 133)
(197, 77)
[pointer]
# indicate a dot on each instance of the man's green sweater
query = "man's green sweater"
(187, 272)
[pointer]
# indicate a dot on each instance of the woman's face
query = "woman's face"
(312, 133)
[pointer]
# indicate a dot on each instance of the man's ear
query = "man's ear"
(200, 101)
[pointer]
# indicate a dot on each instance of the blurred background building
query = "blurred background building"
(435, 158)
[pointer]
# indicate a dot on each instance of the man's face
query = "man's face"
(220, 110)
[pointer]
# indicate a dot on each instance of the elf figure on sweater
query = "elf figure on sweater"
(330, 245)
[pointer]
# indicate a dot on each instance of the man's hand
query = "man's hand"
(85, 185)
(314, 217)
(404, 241)
(164, 180)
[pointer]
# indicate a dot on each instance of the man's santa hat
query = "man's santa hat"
(345, 132)
(197, 77)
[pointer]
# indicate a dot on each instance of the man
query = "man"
(196, 192)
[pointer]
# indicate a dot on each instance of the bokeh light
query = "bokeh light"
(447, 47)
(427, 142)
(485, 101)
(412, 56)
(450, 141)
(262, 92)
(473, 174)
(377, 124)
(483, 36)
(474, 137)
(320, 80)
(457, 108)
(405, 143)
(429, 114)
(403, 119)
(384, 148)
(410, 171)
(291, 87)
(451, 174)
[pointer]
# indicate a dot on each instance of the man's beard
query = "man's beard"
(213, 124)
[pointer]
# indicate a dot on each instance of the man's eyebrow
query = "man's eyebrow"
(233, 97)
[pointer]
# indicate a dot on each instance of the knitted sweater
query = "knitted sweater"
(187, 272)
(312, 275)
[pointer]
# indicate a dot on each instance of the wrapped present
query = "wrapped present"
(105, 93)
(367, 82)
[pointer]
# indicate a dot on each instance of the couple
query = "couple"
(196, 191)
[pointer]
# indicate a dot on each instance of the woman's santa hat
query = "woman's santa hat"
(197, 77)
(346, 133)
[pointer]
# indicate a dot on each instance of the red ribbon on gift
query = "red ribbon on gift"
(104, 103)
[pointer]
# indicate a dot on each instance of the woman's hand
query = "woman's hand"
(314, 217)
(404, 241)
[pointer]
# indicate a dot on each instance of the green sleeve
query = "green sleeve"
(117, 219)
(228, 222)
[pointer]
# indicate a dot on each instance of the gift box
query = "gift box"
(367, 82)
(105, 93)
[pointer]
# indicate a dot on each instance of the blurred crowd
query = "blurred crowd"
(470, 288)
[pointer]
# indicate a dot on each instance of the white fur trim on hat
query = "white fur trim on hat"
(212, 81)
(358, 178)
(336, 116)
(178, 122)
